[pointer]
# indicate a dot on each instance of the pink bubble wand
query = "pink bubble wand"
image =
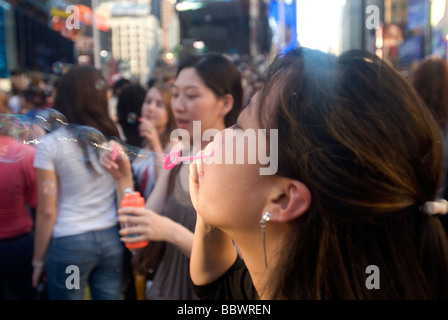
(169, 162)
(171, 159)
(114, 152)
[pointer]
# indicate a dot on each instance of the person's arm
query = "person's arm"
(45, 219)
(213, 252)
(157, 198)
(117, 163)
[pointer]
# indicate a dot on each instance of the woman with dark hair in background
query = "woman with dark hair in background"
(147, 122)
(129, 111)
(207, 89)
(156, 125)
(76, 220)
(350, 212)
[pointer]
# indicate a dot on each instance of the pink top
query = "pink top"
(18, 187)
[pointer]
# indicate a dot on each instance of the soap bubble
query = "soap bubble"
(15, 130)
(50, 119)
(100, 84)
(58, 68)
(91, 140)
(132, 118)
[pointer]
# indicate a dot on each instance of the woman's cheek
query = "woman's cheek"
(216, 199)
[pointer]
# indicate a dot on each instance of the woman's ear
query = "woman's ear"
(227, 104)
(293, 199)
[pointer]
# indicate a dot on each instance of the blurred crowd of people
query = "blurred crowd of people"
(60, 202)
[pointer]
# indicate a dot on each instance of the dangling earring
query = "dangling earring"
(265, 219)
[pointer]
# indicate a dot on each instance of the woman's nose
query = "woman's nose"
(178, 104)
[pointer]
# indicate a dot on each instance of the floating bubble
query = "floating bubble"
(16, 126)
(58, 68)
(49, 187)
(14, 131)
(100, 84)
(19, 130)
(91, 140)
(132, 118)
(50, 119)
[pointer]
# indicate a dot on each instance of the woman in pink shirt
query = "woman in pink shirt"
(18, 194)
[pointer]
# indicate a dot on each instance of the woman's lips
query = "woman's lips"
(182, 123)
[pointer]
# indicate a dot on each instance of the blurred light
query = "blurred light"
(318, 24)
(199, 45)
(169, 55)
(379, 38)
(437, 11)
(186, 5)
(104, 53)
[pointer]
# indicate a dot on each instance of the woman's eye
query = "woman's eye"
(160, 105)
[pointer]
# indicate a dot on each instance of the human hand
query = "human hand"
(149, 131)
(37, 275)
(115, 160)
(195, 171)
(144, 224)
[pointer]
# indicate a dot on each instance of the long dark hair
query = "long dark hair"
(81, 97)
(355, 132)
(129, 110)
(221, 75)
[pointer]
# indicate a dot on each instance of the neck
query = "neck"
(252, 251)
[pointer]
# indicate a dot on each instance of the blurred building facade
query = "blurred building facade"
(136, 36)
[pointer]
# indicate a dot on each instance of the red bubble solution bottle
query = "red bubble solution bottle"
(133, 199)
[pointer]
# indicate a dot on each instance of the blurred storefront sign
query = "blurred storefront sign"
(411, 50)
(417, 14)
(283, 14)
(129, 9)
(59, 17)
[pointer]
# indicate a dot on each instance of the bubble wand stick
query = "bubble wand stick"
(171, 159)
(169, 162)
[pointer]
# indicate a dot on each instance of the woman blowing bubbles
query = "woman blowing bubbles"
(359, 162)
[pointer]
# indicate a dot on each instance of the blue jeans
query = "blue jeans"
(95, 257)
